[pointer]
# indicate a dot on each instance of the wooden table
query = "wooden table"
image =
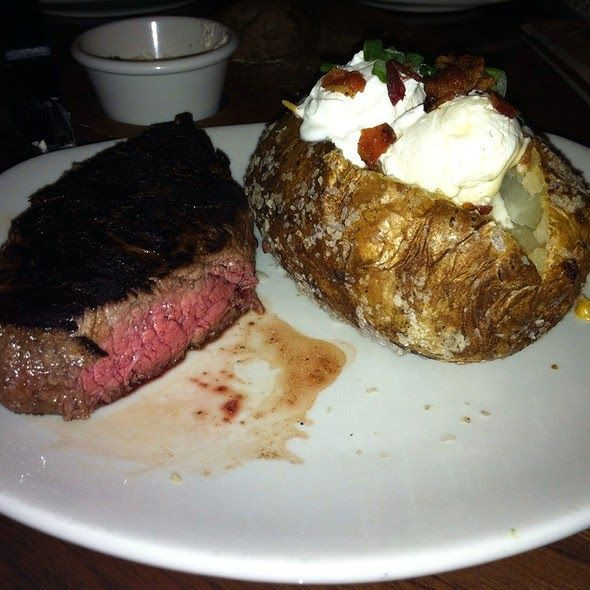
(29, 559)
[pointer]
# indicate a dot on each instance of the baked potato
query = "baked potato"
(410, 266)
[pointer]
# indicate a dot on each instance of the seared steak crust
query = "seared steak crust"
(115, 223)
(114, 270)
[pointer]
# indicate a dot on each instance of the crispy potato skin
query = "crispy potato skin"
(409, 266)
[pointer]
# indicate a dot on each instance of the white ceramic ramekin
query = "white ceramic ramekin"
(145, 70)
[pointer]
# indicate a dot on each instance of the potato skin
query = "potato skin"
(409, 266)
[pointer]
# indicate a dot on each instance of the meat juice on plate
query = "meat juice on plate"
(242, 397)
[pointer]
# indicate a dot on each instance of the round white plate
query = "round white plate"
(107, 8)
(498, 464)
(428, 5)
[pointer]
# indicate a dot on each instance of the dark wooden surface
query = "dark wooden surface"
(328, 31)
(254, 88)
(34, 560)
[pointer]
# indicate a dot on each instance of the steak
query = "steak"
(114, 271)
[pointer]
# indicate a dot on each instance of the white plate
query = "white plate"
(428, 5)
(107, 8)
(381, 492)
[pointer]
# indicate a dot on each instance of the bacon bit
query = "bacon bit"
(501, 105)
(395, 85)
(406, 71)
(481, 209)
(373, 142)
(348, 83)
(457, 75)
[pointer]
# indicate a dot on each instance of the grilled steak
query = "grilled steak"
(109, 276)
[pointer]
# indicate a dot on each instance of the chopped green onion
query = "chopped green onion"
(372, 49)
(379, 70)
(326, 67)
(414, 59)
(393, 53)
(500, 80)
(426, 70)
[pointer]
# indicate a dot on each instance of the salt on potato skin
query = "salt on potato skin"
(409, 266)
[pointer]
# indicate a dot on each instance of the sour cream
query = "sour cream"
(462, 149)
(333, 116)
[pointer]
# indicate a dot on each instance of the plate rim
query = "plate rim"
(249, 568)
